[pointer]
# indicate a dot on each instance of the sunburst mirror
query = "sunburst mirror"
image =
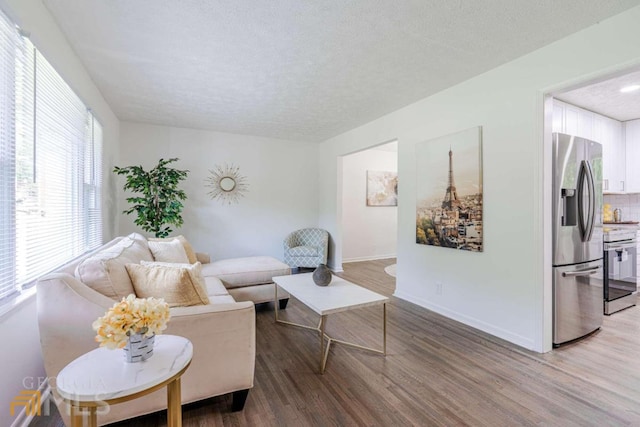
(226, 183)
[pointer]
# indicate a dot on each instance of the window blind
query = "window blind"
(51, 228)
(8, 45)
(51, 177)
(93, 183)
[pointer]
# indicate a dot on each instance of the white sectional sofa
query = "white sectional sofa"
(222, 332)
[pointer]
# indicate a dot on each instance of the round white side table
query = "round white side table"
(102, 377)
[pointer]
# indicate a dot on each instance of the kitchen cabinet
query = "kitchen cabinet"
(573, 120)
(578, 122)
(609, 133)
(632, 143)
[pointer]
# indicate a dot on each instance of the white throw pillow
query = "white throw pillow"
(191, 253)
(105, 271)
(169, 251)
(169, 264)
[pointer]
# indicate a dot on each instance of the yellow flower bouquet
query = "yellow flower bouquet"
(131, 316)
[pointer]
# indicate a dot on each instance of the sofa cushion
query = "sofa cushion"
(222, 299)
(215, 287)
(168, 251)
(191, 253)
(237, 272)
(105, 270)
(179, 285)
(258, 293)
(304, 251)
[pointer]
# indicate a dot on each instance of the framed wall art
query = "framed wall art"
(382, 188)
(449, 201)
(226, 183)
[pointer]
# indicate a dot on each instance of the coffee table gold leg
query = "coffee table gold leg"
(384, 329)
(76, 416)
(174, 404)
(93, 416)
(323, 360)
(275, 301)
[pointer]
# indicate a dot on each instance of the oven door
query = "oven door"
(620, 269)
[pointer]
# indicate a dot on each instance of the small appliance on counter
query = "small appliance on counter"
(617, 215)
(577, 237)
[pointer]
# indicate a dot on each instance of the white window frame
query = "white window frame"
(67, 188)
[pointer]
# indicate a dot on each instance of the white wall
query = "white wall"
(502, 290)
(369, 232)
(20, 358)
(282, 194)
(18, 327)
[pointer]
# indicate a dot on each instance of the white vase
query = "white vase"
(138, 348)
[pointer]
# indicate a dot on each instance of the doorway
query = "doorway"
(369, 219)
(607, 111)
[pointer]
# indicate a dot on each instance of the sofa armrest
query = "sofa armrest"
(324, 247)
(203, 257)
(289, 241)
(223, 338)
(66, 310)
(224, 346)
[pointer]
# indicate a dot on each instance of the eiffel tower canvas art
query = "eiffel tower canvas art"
(449, 191)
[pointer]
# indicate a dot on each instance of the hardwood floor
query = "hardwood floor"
(437, 372)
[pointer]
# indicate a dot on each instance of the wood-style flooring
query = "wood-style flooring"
(437, 372)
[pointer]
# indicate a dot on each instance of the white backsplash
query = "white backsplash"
(629, 204)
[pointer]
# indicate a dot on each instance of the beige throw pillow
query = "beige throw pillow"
(191, 253)
(168, 251)
(179, 285)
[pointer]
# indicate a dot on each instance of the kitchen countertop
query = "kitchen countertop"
(621, 223)
(618, 232)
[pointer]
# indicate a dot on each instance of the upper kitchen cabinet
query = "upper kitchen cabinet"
(609, 133)
(632, 142)
(576, 121)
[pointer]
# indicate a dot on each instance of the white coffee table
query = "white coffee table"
(102, 377)
(340, 295)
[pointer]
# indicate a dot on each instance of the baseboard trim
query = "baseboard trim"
(524, 342)
(23, 420)
(336, 270)
(368, 258)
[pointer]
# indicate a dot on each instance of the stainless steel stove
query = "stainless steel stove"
(620, 275)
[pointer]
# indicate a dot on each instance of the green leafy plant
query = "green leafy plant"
(160, 201)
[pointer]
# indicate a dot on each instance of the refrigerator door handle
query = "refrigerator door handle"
(592, 200)
(585, 176)
(587, 272)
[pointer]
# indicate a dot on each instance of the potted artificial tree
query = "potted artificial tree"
(159, 203)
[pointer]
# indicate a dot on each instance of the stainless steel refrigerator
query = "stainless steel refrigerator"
(577, 237)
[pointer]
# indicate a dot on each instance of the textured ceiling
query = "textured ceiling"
(605, 97)
(301, 70)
